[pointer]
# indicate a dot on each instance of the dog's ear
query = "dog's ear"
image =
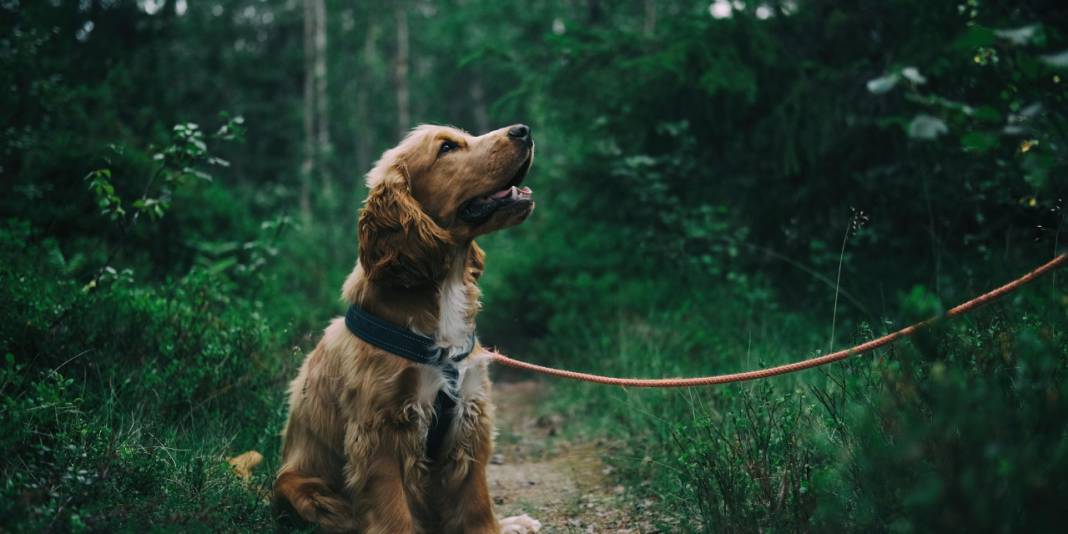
(400, 245)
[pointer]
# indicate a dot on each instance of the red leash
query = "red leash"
(961, 309)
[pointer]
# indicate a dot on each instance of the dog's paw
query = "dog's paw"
(332, 514)
(519, 524)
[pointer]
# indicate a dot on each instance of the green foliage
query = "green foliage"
(176, 167)
(935, 441)
(110, 203)
(78, 464)
(714, 194)
(149, 362)
(955, 430)
(707, 193)
(755, 469)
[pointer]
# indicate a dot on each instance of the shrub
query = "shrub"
(103, 385)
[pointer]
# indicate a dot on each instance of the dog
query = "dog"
(380, 442)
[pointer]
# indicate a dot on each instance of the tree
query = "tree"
(317, 145)
(404, 113)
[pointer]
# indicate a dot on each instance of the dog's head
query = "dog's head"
(440, 187)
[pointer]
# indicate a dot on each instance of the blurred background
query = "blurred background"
(720, 185)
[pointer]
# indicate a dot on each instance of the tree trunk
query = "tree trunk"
(322, 116)
(363, 128)
(404, 118)
(649, 21)
(307, 166)
(594, 12)
(478, 99)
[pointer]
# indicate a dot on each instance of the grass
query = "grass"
(924, 434)
(83, 466)
(136, 429)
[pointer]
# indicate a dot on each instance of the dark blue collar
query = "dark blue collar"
(419, 349)
(400, 341)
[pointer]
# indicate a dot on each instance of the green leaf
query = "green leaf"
(1022, 35)
(925, 126)
(913, 75)
(987, 113)
(222, 265)
(978, 141)
(201, 175)
(1060, 59)
(883, 84)
(975, 37)
(1036, 166)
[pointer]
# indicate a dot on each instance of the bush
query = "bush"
(960, 428)
(74, 463)
(103, 384)
(182, 345)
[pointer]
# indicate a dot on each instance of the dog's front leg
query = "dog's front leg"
(463, 495)
(378, 491)
(465, 499)
(461, 492)
(473, 509)
(384, 473)
(469, 507)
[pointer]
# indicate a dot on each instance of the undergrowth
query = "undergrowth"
(122, 404)
(693, 174)
(961, 428)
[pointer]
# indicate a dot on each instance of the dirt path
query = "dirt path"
(563, 484)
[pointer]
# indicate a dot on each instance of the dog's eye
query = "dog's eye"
(447, 146)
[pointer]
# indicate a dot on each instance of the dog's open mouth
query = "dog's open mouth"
(482, 207)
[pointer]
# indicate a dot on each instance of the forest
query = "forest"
(722, 186)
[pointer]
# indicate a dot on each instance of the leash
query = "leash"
(961, 309)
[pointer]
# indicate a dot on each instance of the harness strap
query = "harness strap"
(444, 411)
(419, 349)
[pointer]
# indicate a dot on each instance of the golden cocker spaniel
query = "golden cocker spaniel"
(381, 439)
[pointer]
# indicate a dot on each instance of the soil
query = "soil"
(563, 484)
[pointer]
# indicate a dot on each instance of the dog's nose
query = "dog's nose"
(520, 131)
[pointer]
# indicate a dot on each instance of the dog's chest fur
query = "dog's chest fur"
(458, 303)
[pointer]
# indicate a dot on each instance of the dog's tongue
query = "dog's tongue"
(503, 193)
